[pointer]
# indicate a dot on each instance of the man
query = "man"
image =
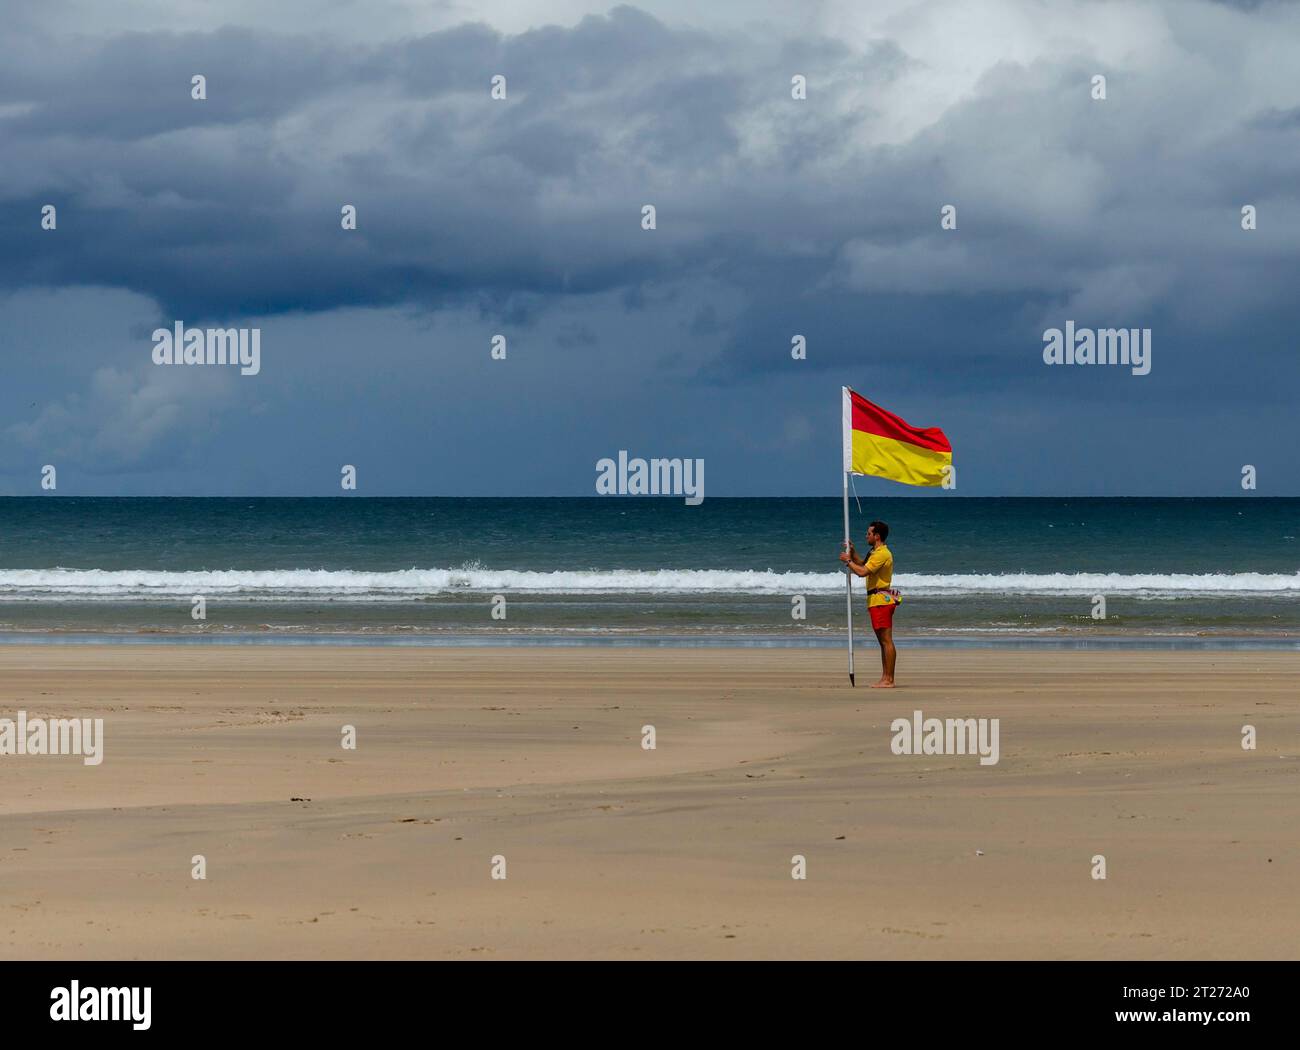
(882, 600)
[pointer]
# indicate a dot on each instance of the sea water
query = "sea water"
(642, 568)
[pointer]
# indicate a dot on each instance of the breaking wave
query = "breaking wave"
(311, 585)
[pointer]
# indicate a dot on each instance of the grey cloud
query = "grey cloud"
(775, 216)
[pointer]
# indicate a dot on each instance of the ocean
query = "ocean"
(647, 569)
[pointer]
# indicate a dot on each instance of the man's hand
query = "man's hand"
(845, 557)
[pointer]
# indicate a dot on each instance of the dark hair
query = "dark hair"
(882, 530)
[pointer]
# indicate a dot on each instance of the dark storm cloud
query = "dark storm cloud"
(230, 205)
(136, 86)
(775, 216)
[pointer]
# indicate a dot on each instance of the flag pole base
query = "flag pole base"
(851, 681)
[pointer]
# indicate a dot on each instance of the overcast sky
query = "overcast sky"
(775, 217)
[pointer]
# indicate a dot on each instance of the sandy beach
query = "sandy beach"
(614, 851)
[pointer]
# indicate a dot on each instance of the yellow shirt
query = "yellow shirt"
(880, 573)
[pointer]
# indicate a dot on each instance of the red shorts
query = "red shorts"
(882, 616)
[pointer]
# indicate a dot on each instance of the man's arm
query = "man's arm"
(853, 561)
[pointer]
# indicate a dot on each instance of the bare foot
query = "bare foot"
(884, 683)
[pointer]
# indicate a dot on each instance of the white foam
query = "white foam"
(306, 585)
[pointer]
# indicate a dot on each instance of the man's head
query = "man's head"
(877, 532)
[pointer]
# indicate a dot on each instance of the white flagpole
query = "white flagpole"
(846, 410)
(848, 578)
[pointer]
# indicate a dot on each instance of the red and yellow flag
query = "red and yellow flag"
(880, 443)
